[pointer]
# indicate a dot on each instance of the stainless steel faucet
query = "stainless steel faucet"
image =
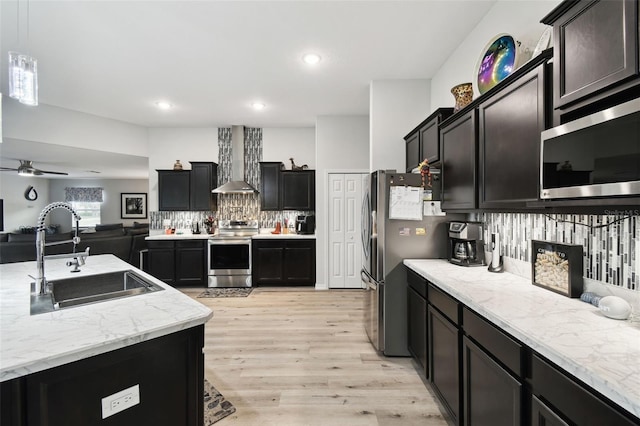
(79, 258)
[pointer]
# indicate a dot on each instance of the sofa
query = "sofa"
(123, 242)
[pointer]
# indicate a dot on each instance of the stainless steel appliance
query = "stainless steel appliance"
(386, 242)
(594, 156)
(466, 246)
(305, 224)
(229, 254)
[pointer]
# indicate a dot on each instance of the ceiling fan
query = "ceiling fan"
(26, 169)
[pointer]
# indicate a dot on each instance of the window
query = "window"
(89, 213)
(85, 201)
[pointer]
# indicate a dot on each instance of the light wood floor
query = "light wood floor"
(296, 356)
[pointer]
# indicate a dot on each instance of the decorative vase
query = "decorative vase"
(463, 94)
(178, 165)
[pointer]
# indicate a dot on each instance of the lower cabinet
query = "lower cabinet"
(168, 370)
(565, 398)
(484, 377)
(417, 307)
(491, 396)
(444, 361)
(283, 261)
(178, 262)
(541, 415)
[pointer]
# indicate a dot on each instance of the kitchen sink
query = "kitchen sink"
(69, 292)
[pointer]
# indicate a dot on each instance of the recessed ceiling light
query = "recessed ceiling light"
(164, 105)
(311, 58)
(258, 105)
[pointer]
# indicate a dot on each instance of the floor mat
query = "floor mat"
(226, 292)
(216, 407)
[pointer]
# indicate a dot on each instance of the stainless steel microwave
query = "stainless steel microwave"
(594, 156)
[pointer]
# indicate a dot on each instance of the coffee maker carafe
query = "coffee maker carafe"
(466, 246)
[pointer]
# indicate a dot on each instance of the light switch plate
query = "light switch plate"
(120, 401)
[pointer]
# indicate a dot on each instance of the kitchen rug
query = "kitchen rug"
(226, 292)
(216, 407)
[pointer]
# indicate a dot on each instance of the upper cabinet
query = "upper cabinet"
(204, 178)
(270, 185)
(286, 189)
(509, 126)
(460, 162)
(491, 148)
(597, 53)
(173, 190)
(423, 142)
(185, 190)
(298, 190)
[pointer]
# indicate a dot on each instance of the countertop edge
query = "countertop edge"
(609, 388)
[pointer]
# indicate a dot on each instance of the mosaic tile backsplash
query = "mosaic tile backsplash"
(232, 206)
(611, 244)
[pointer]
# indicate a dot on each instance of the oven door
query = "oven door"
(229, 262)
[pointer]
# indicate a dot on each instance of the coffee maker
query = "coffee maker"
(305, 224)
(466, 247)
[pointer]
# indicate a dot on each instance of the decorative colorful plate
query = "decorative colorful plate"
(498, 61)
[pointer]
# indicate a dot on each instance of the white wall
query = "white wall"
(110, 208)
(166, 145)
(521, 19)
(280, 144)
(395, 107)
(61, 126)
(18, 211)
(342, 143)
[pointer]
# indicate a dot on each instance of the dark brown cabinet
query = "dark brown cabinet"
(460, 162)
(509, 129)
(597, 50)
(542, 415)
(188, 190)
(178, 262)
(444, 337)
(173, 190)
(169, 371)
(285, 189)
(423, 142)
(270, 185)
(492, 374)
(203, 179)
(417, 319)
(570, 399)
(298, 190)
(283, 261)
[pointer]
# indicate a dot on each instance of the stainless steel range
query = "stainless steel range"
(229, 257)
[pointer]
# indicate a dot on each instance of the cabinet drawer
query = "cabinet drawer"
(154, 244)
(502, 347)
(417, 283)
(189, 244)
(445, 304)
(577, 403)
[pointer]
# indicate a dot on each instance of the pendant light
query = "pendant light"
(23, 72)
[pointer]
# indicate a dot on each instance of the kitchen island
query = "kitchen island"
(58, 361)
(573, 337)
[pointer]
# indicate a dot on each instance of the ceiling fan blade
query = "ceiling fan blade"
(51, 173)
(3, 169)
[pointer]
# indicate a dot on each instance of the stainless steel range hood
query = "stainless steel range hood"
(237, 184)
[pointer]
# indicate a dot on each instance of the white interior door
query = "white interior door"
(345, 253)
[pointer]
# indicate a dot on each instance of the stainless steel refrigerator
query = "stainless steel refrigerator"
(387, 239)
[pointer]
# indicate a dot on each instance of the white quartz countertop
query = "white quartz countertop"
(31, 343)
(269, 235)
(181, 236)
(604, 353)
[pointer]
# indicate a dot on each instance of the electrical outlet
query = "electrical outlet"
(120, 401)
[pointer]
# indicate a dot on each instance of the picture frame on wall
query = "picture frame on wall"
(133, 205)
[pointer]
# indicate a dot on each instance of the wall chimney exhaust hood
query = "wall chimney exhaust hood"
(237, 184)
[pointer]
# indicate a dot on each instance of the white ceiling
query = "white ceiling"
(212, 59)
